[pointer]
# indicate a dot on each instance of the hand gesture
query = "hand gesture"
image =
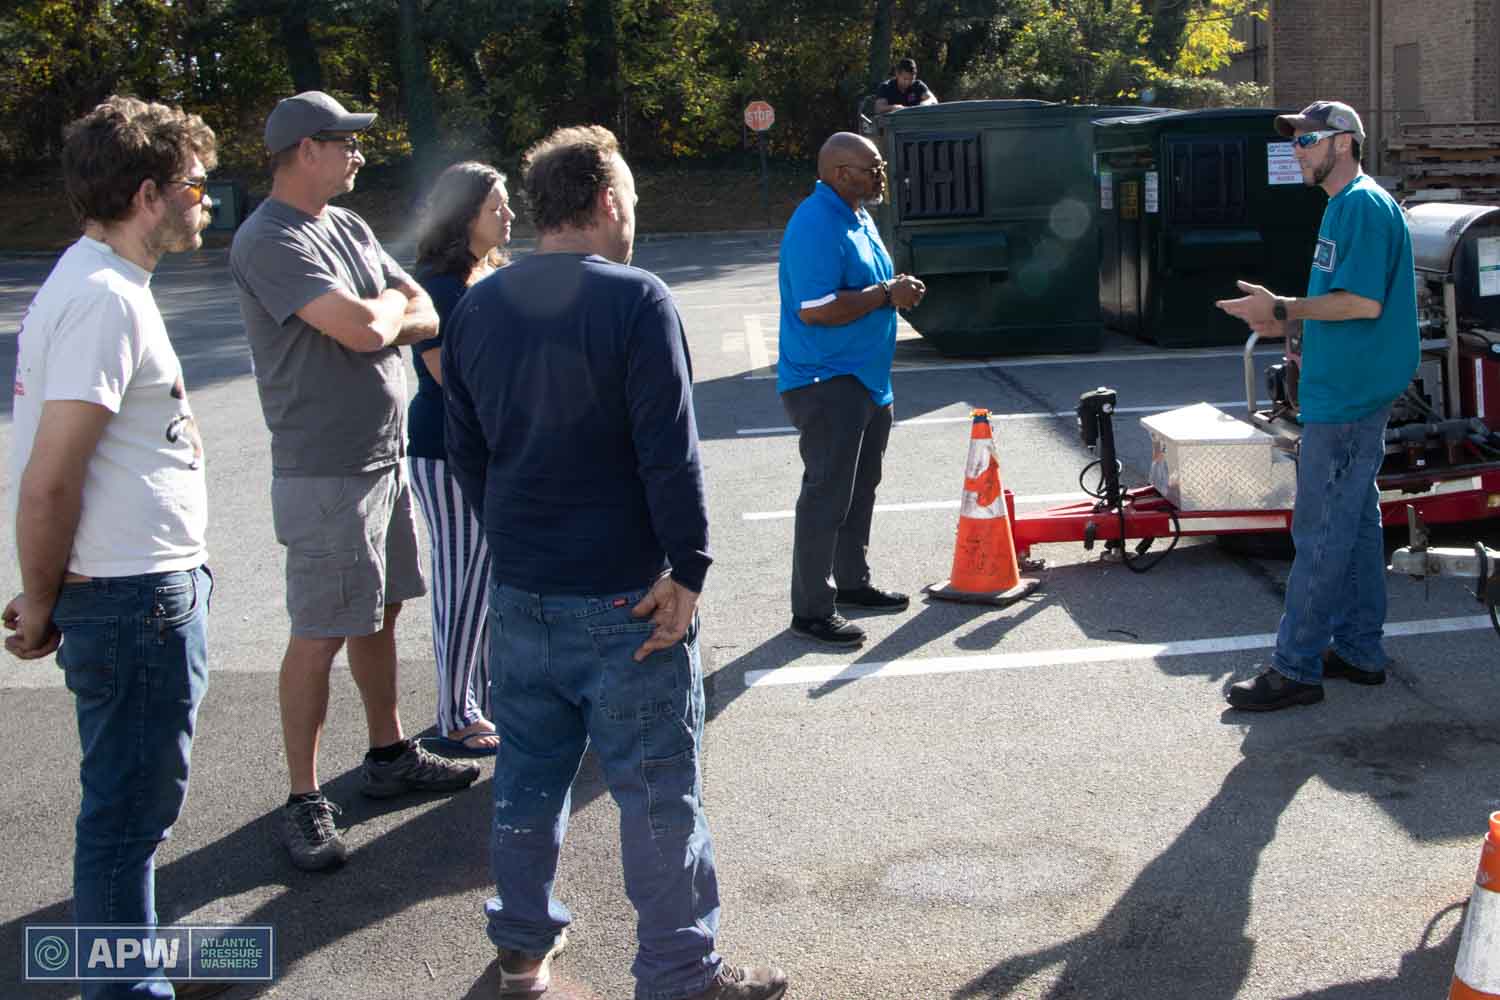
(670, 607)
(1255, 308)
(907, 291)
(35, 635)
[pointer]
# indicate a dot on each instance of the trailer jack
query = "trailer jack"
(1419, 561)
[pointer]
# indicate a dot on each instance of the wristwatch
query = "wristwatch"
(885, 286)
(1279, 310)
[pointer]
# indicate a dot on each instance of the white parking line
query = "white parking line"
(755, 343)
(1114, 652)
(1067, 359)
(994, 417)
(886, 508)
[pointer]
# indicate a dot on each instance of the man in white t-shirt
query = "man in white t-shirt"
(110, 501)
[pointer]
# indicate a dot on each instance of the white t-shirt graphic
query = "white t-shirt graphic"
(93, 333)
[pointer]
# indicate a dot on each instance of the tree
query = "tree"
(1108, 50)
(880, 42)
(416, 87)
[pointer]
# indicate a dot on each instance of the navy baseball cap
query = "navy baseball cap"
(1323, 115)
(307, 114)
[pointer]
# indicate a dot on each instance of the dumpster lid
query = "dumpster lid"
(987, 106)
(976, 107)
(1169, 116)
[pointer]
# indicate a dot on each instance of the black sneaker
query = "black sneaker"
(872, 599)
(417, 770)
(1338, 668)
(1271, 691)
(744, 983)
(835, 630)
(307, 830)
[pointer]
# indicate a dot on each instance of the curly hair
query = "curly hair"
(457, 197)
(564, 174)
(124, 141)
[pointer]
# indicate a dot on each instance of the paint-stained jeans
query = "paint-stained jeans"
(563, 678)
(1335, 593)
(135, 656)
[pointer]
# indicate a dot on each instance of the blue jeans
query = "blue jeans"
(563, 678)
(1335, 592)
(134, 654)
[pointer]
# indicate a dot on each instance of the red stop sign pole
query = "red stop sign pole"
(760, 116)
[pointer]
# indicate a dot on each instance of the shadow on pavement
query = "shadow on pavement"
(1178, 931)
(382, 878)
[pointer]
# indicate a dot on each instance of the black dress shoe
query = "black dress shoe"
(872, 599)
(1271, 691)
(1338, 668)
(835, 630)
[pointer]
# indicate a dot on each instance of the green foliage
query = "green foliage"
(475, 78)
(1112, 50)
(1200, 92)
(1208, 41)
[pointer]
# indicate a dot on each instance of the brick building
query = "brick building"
(1394, 61)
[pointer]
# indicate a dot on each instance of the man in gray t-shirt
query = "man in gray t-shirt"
(326, 311)
(332, 409)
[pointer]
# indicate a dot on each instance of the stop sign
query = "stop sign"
(759, 115)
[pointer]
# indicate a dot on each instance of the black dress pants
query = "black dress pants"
(843, 435)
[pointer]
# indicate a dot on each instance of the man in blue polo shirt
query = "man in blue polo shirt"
(1359, 350)
(838, 335)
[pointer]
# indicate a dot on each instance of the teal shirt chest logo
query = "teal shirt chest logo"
(1325, 257)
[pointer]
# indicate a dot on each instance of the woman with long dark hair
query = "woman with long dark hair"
(466, 226)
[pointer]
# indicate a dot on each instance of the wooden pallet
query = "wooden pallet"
(1427, 154)
(1483, 194)
(1445, 133)
(1462, 157)
(1485, 168)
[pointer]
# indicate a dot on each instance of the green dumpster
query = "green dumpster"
(1190, 201)
(993, 204)
(229, 204)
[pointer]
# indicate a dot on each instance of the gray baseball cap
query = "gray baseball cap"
(1323, 115)
(309, 113)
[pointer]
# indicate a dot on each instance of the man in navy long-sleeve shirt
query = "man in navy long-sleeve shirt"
(570, 425)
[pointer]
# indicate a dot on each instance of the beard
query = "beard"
(1322, 170)
(178, 234)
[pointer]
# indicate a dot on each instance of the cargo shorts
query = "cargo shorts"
(351, 549)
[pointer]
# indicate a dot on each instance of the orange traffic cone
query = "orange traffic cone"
(1476, 973)
(984, 556)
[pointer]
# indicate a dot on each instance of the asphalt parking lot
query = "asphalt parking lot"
(1042, 801)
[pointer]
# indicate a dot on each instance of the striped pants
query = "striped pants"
(460, 576)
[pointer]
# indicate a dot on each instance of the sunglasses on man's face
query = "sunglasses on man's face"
(1313, 138)
(197, 185)
(349, 142)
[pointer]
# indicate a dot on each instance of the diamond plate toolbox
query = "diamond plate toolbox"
(1204, 459)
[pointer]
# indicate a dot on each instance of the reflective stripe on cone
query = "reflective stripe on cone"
(1476, 972)
(984, 554)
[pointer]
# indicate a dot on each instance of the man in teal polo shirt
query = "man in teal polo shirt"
(1359, 350)
(839, 298)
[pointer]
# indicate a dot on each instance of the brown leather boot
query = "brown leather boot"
(744, 983)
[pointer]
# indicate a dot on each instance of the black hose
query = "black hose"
(1099, 492)
(1134, 563)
